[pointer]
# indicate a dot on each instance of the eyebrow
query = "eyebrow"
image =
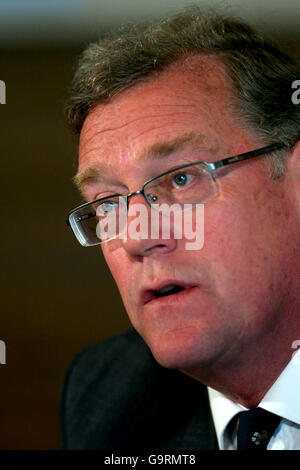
(158, 150)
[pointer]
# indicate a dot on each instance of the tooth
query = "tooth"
(167, 288)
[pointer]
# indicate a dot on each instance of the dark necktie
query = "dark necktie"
(255, 428)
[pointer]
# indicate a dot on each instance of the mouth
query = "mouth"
(171, 289)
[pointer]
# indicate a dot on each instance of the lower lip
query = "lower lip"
(172, 298)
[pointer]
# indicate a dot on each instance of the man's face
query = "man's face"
(235, 284)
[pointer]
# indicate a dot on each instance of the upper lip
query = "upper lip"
(148, 291)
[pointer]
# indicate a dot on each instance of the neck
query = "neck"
(245, 377)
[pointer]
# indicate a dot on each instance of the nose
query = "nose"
(146, 231)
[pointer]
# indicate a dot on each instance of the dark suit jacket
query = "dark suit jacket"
(115, 396)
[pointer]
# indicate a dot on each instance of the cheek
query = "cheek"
(117, 264)
(123, 273)
(226, 240)
(245, 243)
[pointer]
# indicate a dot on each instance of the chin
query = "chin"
(180, 349)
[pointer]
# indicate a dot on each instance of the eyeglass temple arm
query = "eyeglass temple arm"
(245, 156)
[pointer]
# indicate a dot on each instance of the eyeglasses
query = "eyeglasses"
(192, 183)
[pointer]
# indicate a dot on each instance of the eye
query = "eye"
(106, 207)
(181, 179)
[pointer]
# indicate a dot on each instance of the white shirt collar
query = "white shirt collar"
(282, 399)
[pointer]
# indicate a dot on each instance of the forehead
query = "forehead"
(191, 96)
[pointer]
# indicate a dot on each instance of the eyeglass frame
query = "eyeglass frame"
(211, 167)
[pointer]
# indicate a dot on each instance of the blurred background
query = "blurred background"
(57, 296)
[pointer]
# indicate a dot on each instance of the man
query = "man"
(193, 88)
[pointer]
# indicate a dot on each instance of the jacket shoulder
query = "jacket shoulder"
(115, 395)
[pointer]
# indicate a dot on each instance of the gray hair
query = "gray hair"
(261, 74)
